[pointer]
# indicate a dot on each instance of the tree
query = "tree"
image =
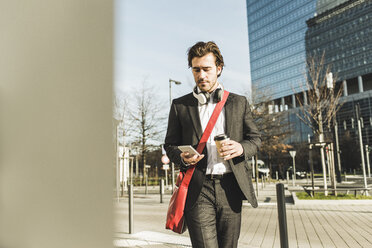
(147, 121)
(121, 117)
(323, 102)
(154, 158)
(274, 126)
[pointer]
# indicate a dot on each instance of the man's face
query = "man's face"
(205, 72)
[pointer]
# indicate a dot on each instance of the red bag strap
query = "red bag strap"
(212, 121)
(207, 132)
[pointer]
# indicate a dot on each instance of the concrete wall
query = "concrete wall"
(56, 158)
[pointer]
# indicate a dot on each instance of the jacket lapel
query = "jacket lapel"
(229, 111)
(194, 116)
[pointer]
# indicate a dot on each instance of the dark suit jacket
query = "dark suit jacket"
(184, 128)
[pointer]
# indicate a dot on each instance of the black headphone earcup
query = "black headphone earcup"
(218, 95)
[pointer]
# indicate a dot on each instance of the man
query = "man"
(222, 179)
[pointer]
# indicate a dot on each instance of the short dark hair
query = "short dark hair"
(201, 49)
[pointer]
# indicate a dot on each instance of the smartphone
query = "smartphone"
(188, 149)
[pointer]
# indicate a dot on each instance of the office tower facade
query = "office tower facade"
(276, 30)
(344, 34)
(324, 5)
(283, 32)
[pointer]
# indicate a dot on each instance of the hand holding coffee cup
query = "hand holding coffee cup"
(219, 140)
(227, 148)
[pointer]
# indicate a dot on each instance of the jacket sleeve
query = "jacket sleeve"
(173, 138)
(252, 137)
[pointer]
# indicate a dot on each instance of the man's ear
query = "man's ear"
(219, 70)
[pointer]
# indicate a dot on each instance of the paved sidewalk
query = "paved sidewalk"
(308, 226)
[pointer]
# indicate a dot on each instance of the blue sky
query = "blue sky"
(152, 38)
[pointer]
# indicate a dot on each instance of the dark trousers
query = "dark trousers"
(215, 219)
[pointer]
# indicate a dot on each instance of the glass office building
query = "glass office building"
(276, 31)
(282, 32)
(324, 5)
(344, 33)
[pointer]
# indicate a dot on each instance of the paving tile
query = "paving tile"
(249, 225)
(261, 227)
(362, 237)
(301, 236)
(328, 236)
(308, 225)
(310, 230)
(269, 235)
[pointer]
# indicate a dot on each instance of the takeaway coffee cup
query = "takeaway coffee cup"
(218, 139)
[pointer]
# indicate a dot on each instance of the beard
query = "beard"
(206, 86)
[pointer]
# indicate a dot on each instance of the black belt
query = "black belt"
(217, 176)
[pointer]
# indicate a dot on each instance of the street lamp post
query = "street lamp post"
(357, 110)
(170, 104)
(293, 155)
(170, 89)
(368, 164)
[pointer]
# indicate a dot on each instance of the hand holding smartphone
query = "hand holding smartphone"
(188, 149)
(193, 156)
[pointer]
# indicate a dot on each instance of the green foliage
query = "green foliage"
(321, 196)
(152, 181)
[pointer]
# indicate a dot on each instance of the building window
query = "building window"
(300, 99)
(367, 82)
(288, 102)
(352, 86)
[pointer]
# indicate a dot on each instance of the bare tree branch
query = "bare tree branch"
(274, 126)
(323, 101)
(147, 117)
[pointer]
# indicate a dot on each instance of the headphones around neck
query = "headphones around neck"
(204, 97)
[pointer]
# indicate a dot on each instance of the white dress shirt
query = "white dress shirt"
(216, 164)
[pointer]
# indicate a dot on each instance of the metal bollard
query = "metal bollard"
(345, 177)
(161, 190)
(146, 184)
(130, 202)
(282, 216)
(277, 175)
(287, 177)
(307, 178)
